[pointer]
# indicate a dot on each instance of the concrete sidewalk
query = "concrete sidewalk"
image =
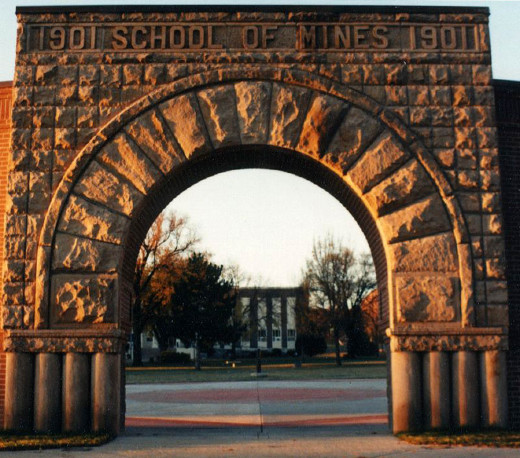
(262, 418)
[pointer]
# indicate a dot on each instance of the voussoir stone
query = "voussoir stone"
(253, 100)
(155, 139)
(324, 115)
(437, 253)
(123, 156)
(102, 186)
(84, 299)
(427, 298)
(403, 187)
(383, 156)
(85, 218)
(356, 132)
(425, 217)
(76, 253)
(218, 106)
(288, 110)
(186, 123)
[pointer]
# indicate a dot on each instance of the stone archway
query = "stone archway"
(267, 116)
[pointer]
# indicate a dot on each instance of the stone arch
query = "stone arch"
(127, 165)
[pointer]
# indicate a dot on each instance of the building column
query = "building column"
(19, 391)
(493, 379)
(105, 407)
(47, 393)
(465, 389)
(76, 392)
(436, 390)
(406, 391)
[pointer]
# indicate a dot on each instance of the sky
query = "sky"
(266, 221)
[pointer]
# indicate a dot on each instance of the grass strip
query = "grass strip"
(15, 441)
(490, 438)
(314, 372)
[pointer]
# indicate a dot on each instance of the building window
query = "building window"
(262, 335)
(276, 335)
(291, 334)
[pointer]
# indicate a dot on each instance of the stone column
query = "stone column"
(47, 392)
(406, 391)
(76, 392)
(436, 389)
(493, 378)
(105, 396)
(19, 391)
(465, 389)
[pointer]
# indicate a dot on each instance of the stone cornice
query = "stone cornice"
(446, 339)
(63, 341)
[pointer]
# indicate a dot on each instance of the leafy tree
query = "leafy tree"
(202, 305)
(371, 317)
(168, 240)
(337, 283)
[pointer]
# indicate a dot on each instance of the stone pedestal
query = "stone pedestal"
(19, 392)
(47, 393)
(493, 378)
(406, 391)
(465, 389)
(76, 392)
(436, 390)
(105, 397)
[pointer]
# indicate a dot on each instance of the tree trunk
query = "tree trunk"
(138, 354)
(336, 343)
(197, 353)
(137, 330)
(234, 350)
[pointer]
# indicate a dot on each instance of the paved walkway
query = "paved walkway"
(262, 418)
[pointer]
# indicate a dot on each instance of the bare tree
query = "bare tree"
(372, 318)
(168, 239)
(337, 283)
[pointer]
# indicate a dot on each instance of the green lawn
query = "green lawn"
(493, 438)
(13, 441)
(275, 371)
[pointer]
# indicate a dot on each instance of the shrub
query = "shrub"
(311, 344)
(172, 357)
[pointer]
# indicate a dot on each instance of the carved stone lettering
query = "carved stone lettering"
(215, 36)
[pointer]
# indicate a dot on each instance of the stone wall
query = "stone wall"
(507, 96)
(391, 111)
(5, 136)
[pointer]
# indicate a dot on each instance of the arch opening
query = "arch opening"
(259, 157)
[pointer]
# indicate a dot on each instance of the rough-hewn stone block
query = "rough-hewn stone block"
(155, 139)
(288, 110)
(102, 186)
(80, 254)
(383, 157)
(218, 106)
(84, 299)
(437, 253)
(253, 99)
(187, 125)
(85, 218)
(427, 298)
(323, 117)
(354, 135)
(123, 156)
(408, 184)
(425, 217)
